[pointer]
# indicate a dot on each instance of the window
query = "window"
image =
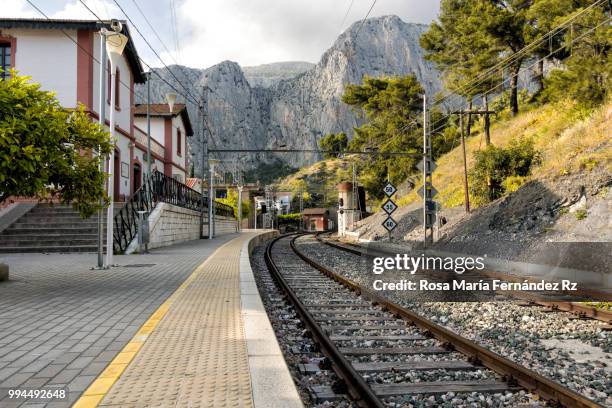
(117, 88)
(179, 141)
(5, 60)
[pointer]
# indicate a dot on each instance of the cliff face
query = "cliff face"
(294, 105)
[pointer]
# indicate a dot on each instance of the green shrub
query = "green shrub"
(293, 216)
(581, 214)
(500, 170)
(513, 183)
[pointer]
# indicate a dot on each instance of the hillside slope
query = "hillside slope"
(566, 199)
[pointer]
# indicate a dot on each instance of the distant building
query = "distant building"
(170, 131)
(316, 219)
(62, 56)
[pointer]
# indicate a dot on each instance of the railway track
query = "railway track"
(564, 302)
(350, 325)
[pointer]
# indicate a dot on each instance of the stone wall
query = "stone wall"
(170, 224)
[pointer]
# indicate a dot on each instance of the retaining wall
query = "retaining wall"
(170, 224)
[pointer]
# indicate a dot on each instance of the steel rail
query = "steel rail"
(510, 371)
(359, 390)
(576, 308)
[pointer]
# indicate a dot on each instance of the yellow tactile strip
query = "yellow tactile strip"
(195, 357)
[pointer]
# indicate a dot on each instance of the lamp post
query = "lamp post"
(148, 75)
(211, 201)
(171, 99)
(115, 44)
(102, 121)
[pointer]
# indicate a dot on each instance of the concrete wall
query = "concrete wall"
(170, 224)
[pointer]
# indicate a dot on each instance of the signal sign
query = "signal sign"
(431, 165)
(389, 206)
(431, 192)
(389, 224)
(389, 189)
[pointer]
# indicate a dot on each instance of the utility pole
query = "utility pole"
(485, 112)
(148, 75)
(240, 203)
(465, 173)
(429, 206)
(487, 123)
(301, 210)
(203, 108)
(102, 121)
(211, 200)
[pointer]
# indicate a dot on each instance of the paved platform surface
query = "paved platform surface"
(196, 356)
(209, 345)
(62, 324)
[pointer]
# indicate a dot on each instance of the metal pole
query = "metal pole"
(149, 123)
(210, 201)
(111, 177)
(424, 170)
(465, 174)
(239, 208)
(102, 121)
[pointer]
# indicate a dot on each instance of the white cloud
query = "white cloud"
(262, 31)
(250, 32)
(17, 9)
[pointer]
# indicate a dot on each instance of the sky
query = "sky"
(250, 32)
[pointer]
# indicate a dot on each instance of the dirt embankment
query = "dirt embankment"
(564, 221)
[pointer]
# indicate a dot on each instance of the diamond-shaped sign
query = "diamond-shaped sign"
(389, 189)
(431, 165)
(389, 224)
(430, 219)
(389, 206)
(432, 192)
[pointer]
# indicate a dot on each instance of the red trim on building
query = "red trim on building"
(131, 104)
(85, 67)
(168, 146)
(12, 41)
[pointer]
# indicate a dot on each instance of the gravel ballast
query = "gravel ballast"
(521, 333)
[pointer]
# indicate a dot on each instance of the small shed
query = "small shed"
(316, 219)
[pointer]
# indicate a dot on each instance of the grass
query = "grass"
(571, 140)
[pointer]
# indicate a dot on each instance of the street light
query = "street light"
(211, 192)
(115, 44)
(171, 99)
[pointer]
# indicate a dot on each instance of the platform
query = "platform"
(209, 345)
(182, 326)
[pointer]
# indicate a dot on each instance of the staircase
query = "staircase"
(51, 228)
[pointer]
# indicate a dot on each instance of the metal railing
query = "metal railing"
(158, 188)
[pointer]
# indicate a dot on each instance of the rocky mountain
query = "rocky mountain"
(294, 105)
(267, 75)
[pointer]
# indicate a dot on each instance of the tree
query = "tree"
(47, 151)
(334, 143)
(393, 107)
(586, 74)
(472, 37)
(232, 201)
(459, 51)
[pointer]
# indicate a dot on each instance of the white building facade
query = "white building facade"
(63, 57)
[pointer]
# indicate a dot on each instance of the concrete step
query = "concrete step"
(43, 243)
(28, 237)
(49, 225)
(44, 230)
(67, 249)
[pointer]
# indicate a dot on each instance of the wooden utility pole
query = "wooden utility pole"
(465, 174)
(487, 122)
(485, 112)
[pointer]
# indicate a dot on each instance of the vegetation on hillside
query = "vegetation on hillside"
(232, 201)
(47, 151)
(471, 44)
